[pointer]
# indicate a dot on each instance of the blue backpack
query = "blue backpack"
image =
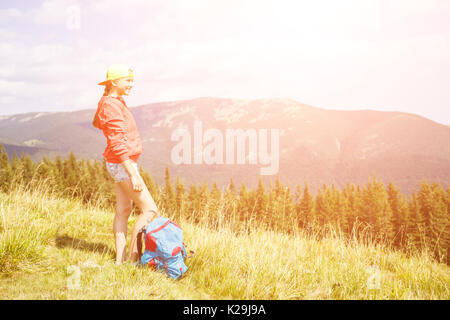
(164, 247)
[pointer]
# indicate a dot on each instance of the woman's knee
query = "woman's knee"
(124, 204)
(142, 199)
(123, 210)
(150, 214)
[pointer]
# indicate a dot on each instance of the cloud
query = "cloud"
(418, 7)
(8, 35)
(9, 14)
(11, 87)
(54, 11)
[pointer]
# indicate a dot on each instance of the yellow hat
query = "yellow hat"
(117, 71)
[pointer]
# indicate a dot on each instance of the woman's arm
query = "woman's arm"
(113, 125)
(136, 179)
(129, 167)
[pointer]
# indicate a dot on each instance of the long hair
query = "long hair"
(108, 86)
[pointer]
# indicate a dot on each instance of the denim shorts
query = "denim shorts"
(118, 172)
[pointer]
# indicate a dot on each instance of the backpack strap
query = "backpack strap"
(139, 242)
(191, 252)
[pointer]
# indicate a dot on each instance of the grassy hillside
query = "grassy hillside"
(53, 248)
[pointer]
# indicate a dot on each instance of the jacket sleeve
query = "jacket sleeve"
(112, 123)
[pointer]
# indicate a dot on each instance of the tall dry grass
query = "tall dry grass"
(54, 248)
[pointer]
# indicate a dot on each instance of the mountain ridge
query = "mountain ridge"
(317, 145)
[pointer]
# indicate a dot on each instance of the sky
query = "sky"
(388, 55)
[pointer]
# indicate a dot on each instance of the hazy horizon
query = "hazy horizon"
(386, 55)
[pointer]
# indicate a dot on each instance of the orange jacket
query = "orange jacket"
(117, 123)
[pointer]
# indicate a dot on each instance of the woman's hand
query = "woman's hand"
(137, 182)
(136, 179)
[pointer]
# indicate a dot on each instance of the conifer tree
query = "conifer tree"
(28, 169)
(180, 198)
(44, 171)
(335, 212)
(84, 181)
(447, 200)
(272, 203)
(279, 205)
(106, 187)
(288, 223)
(344, 213)
(16, 168)
(325, 212)
(244, 207)
(350, 218)
(204, 201)
(152, 187)
(440, 223)
(415, 232)
(232, 186)
(169, 199)
(340, 208)
(215, 193)
(6, 172)
(193, 204)
(216, 205)
(215, 196)
(378, 213)
(261, 201)
(278, 188)
(296, 199)
(71, 178)
(230, 202)
(399, 210)
(320, 212)
(427, 210)
(91, 181)
(306, 208)
(59, 174)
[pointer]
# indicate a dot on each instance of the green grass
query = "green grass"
(54, 248)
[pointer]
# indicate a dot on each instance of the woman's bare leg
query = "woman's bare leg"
(120, 225)
(143, 220)
(145, 202)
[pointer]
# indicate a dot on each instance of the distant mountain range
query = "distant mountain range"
(316, 145)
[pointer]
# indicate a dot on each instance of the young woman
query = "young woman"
(122, 152)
